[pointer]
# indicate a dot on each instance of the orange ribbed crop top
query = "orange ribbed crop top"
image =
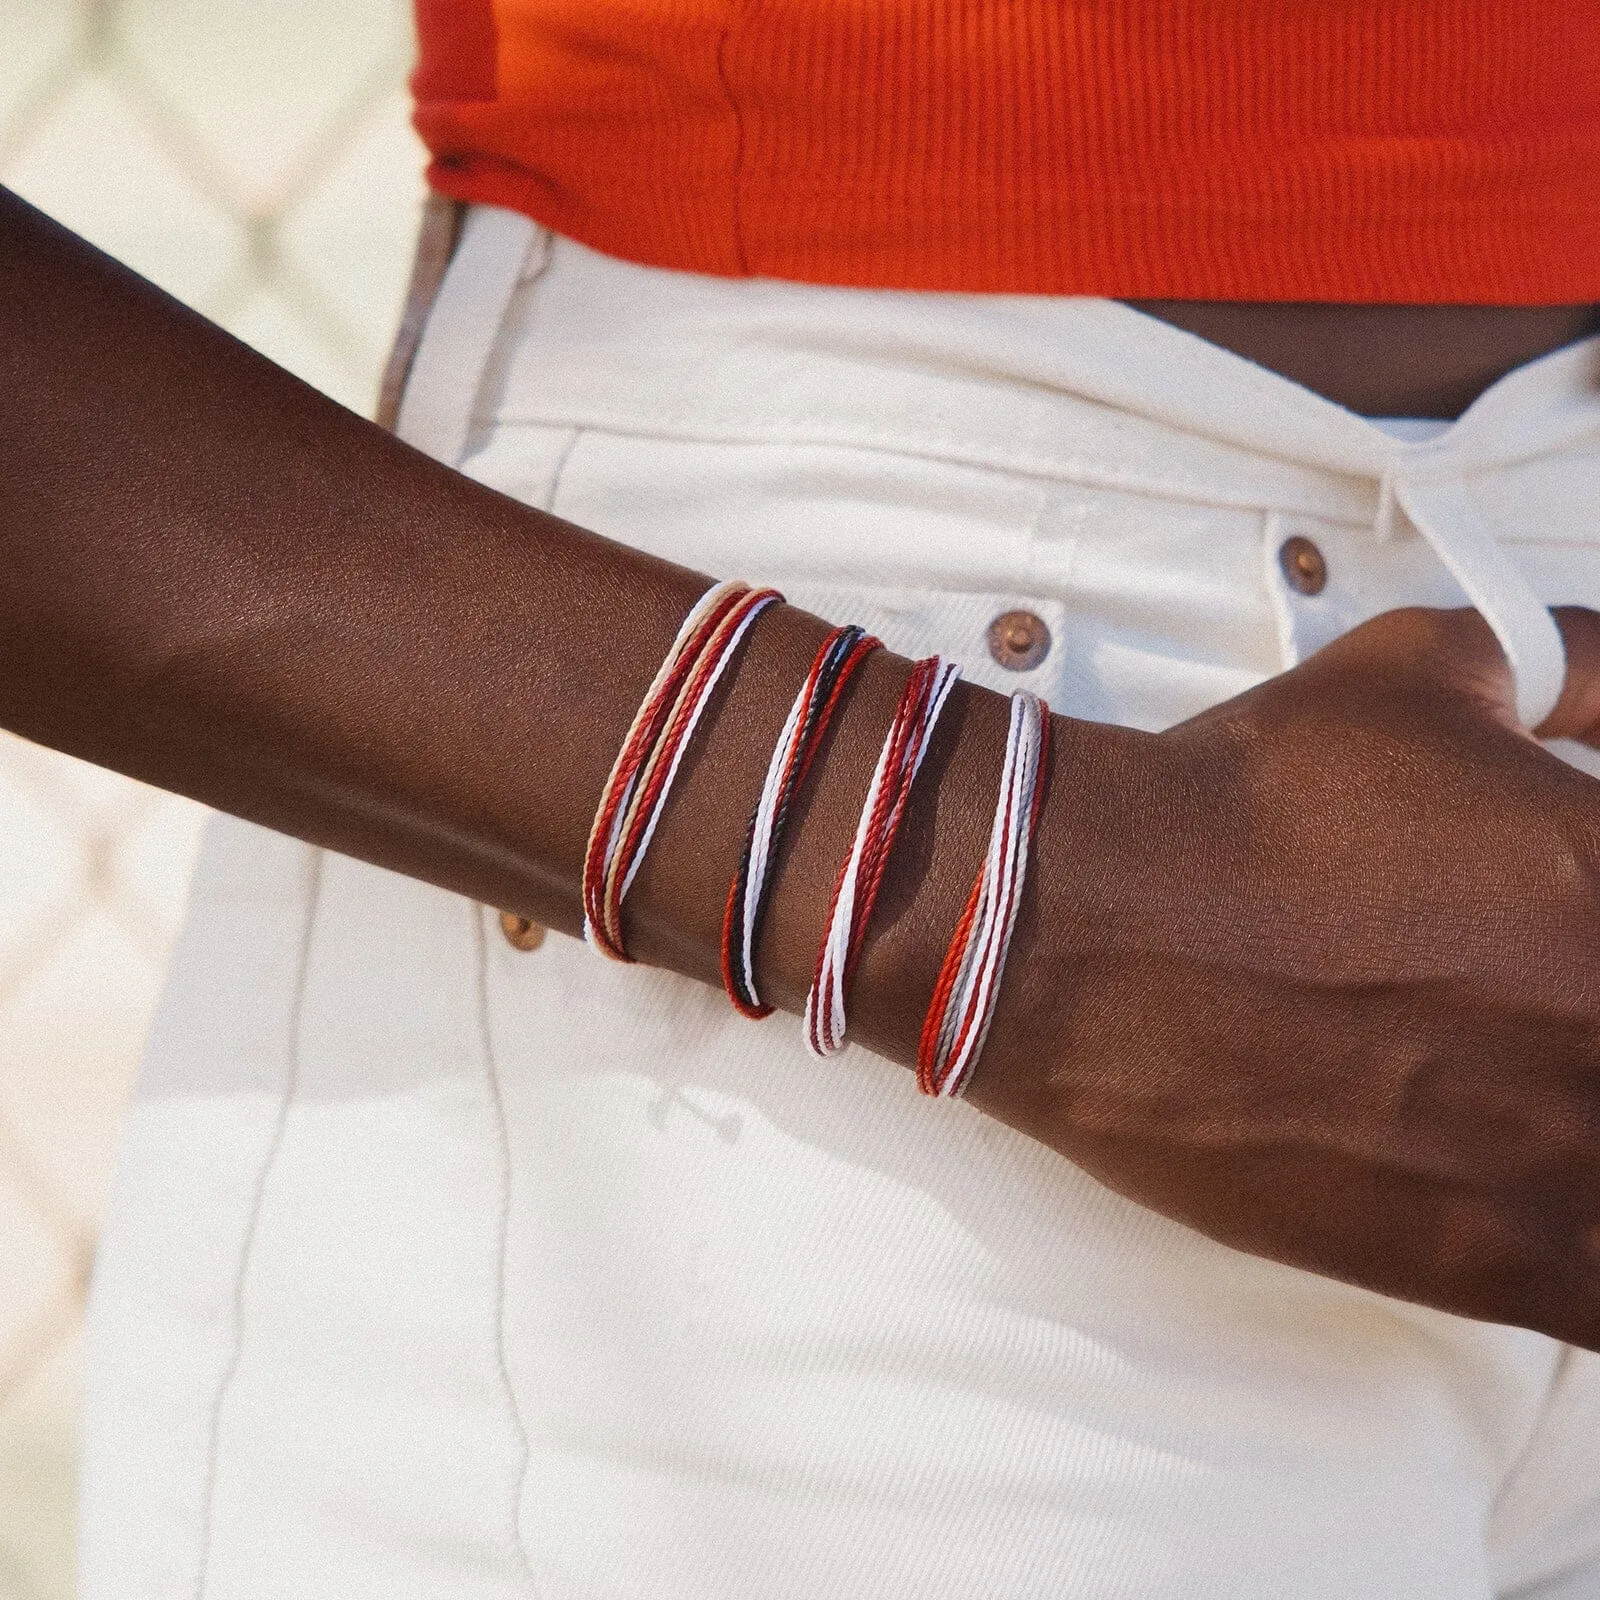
(1365, 150)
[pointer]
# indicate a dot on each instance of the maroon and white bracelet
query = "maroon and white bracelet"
(836, 662)
(635, 793)
(964, 997)
(926, 691)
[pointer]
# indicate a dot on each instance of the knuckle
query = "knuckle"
(1463, 635)
(1404, 627)
(1447, 646)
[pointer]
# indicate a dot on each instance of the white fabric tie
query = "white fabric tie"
(1428, 484)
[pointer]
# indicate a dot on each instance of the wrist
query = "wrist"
(1092, 858)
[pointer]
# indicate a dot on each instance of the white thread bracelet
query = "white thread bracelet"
(635, 793)
(964, 998)
(838, 658)
(926, 692)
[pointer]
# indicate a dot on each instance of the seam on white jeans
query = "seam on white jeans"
(1042, 550)
(491, 1070)
(1277, 596)
(953, 452)
(547, 501)
(1515, 1458)
(291, 1079)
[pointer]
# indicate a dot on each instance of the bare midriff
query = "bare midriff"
(1383, 360)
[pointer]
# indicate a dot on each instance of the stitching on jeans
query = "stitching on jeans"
(252, 1222)
(553, 488)
(1518, 1458)
(1278, 602)
(491, 1069)
(953, 450)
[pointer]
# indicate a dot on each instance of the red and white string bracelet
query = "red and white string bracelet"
(635, 794)
(840, 654)
(924, 697)
(969, 982)
(641, 778)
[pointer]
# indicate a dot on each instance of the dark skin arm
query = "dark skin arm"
(1315, 973)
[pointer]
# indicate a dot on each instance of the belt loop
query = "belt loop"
(437, 238)
(493, 254)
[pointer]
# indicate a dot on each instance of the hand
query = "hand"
(1320, 974)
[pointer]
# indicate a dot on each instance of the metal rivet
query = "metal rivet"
(1304, 565)
(522, 933)
(1018, 640)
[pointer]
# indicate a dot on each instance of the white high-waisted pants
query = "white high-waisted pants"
(435, 1269)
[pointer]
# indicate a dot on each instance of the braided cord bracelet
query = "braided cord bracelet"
(641, 778)
(968, 987)
(837, 659)
(926, 691)
(635, 793)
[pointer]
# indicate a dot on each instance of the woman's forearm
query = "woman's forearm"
(221, 582)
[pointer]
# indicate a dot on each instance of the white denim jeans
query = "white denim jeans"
(435, 1269)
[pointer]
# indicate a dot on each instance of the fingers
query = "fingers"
(1577, 712)
(1457, 650)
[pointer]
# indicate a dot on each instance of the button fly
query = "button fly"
(1304, 565)
(1018, 640)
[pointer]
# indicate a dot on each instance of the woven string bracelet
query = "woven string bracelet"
(641, 778)
(926, 691)
(964, 997)
(840, 654)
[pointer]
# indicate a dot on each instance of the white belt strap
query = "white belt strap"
(495, 252)
(1434, 497)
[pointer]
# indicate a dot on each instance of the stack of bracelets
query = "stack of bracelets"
(641, 778)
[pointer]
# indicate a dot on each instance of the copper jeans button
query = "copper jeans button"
(521, 933)
(1304, 565)
(1018, 640)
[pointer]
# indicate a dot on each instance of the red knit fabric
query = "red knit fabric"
(1363, 150)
